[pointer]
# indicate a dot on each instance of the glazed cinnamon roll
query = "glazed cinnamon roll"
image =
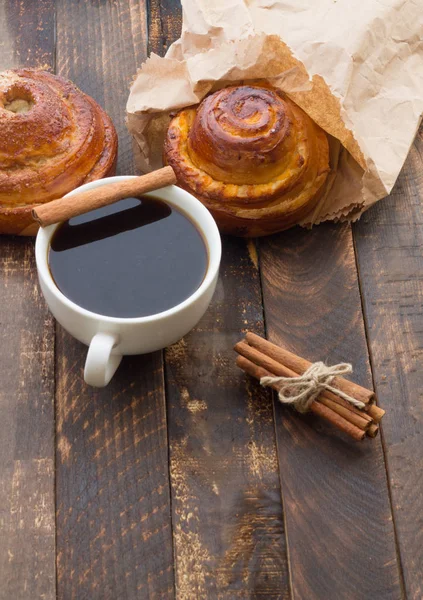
(252, 156)
(53, 138)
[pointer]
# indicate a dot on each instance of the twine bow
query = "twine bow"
(303, 390)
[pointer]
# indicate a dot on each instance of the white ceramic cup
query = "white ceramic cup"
(109, 338)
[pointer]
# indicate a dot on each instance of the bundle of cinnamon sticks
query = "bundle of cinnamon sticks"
(260, 358)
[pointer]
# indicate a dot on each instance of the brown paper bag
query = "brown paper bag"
(355, 68)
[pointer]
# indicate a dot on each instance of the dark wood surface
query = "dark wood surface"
(227, 513)
(27, 523)
(182, 478)
(336, 497)
(114, 534)
(389, 242)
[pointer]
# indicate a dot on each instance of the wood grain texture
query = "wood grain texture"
(113, 516)
(100, 45)
(227, 514)
(27, 528)
(114, 537)
(389, 240)
(27, 549)
(164, 24)
(27, 34)
(337, 511)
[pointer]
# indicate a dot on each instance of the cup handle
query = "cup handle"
(101, 364)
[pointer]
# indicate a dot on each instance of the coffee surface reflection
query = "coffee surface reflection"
(135, 258)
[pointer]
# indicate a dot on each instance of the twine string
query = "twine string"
(303, 390)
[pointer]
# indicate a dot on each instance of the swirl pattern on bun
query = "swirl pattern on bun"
(252, 156)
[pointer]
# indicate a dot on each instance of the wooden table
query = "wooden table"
(182, 477)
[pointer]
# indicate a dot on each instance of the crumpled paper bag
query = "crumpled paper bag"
(355, 68)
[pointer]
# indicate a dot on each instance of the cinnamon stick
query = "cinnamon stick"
(80, 203)
(357, 420)
(375, 412)
(338, 421)
(373, 430)
(275, 368)
(347, 405)
(300, 365)
(342, 424)
(339, 405)
(262, 360)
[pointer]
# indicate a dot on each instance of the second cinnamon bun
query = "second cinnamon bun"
(252, 156)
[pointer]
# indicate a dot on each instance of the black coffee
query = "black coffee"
(135, 258)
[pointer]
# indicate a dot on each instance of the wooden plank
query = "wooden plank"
(100, 45)
(389, 240)
(228, 526)
(27, 34)
(227, 513)
(113, 520)
(27, 529)
(337, 511)
(164, 24)
(27, 550)
(113, 514)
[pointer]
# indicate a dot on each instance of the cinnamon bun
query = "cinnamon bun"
(53, 138)
(252, 156)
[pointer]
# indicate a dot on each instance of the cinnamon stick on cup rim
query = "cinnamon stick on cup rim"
(80, 203)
